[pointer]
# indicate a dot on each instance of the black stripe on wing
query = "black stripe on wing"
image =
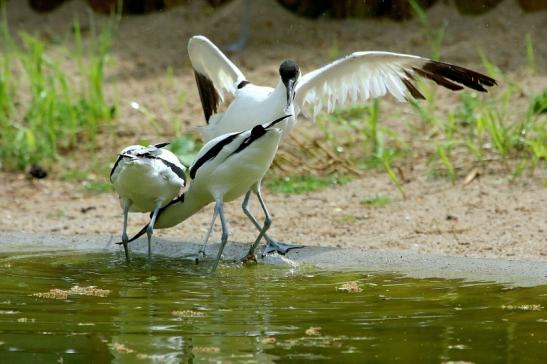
(258, 131)
(208, 94)
(176, 169)
(115, 165)
(453, 77)
(211, 153)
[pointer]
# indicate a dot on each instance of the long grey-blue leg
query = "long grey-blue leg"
(267, 221)
(272, 245)
(219, 207)
(125, 239)
(202, 249)
(150, 229)
(249, 214)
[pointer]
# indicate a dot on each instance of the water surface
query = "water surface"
(174, 311)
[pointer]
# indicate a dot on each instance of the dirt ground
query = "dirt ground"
(493, 216)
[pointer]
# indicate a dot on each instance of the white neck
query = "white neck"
(280, 90)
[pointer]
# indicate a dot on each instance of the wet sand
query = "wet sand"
(416, 265)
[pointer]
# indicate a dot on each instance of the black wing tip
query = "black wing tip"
(161, 145)
(272, 123)
(413, 90)
(453, 77)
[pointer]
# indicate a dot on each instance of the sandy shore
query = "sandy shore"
(512, 272)
(495, 216)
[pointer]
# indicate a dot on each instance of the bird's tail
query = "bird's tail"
(137, 235)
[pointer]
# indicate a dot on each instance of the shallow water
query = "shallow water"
(174, 311)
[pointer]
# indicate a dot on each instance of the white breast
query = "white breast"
(144, 182)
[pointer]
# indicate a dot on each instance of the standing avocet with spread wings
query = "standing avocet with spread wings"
(353, 79)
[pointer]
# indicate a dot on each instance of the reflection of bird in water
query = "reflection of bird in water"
(353, 79)
(146, 179)
(224, 169)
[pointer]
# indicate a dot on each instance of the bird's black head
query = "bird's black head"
(289, 70)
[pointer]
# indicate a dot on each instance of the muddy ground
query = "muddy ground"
(493, 216)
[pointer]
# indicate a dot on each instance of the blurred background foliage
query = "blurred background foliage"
(394, 9)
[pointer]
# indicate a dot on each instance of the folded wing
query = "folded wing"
(210, 151)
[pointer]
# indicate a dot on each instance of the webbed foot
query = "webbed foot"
(279, 247)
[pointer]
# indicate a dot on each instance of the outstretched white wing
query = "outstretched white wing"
(215, 73)
(365, 75)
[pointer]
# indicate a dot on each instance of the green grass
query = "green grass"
(484, 127)
(426, 109)
(490, 130)
(186, 148)
(435, 35)
(376, 201)
(45, 114)
(360, 125)
(160, 123)
(97, 186)
(386, 156)
(538, 104)
(43, 110)
(75, 175)
(530, 54)
(302, 184)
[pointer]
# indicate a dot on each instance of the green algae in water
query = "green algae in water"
(174, 311)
